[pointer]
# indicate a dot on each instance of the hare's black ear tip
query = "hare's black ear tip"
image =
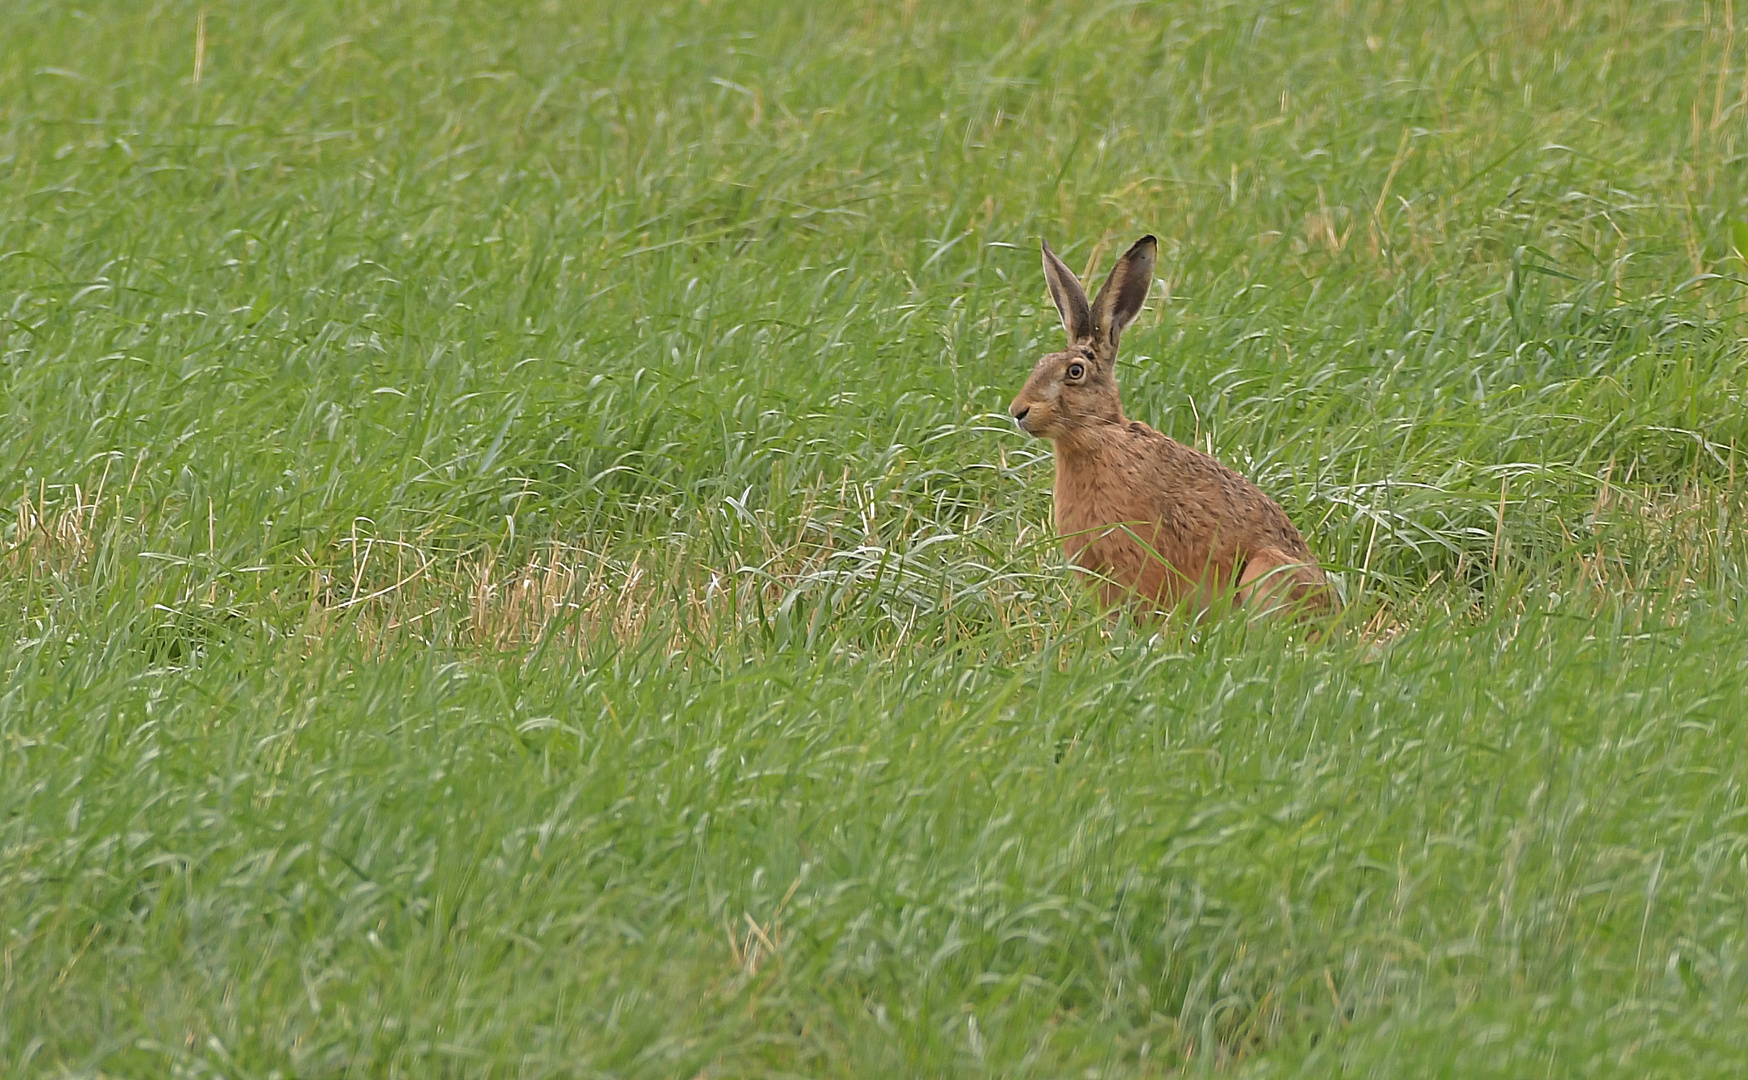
(1150, 240)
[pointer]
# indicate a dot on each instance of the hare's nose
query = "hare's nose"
(1020, 416)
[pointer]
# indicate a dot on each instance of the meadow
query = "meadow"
(515, 562)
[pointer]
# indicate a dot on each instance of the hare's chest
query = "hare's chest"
(1105, 521)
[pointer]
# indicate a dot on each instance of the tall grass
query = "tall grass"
(518, 564)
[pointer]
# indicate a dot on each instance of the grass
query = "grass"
(519, 566)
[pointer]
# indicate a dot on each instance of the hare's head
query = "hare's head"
(1077, 387)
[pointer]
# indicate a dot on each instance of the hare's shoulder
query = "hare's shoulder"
(1164, 452)
(1177, 472)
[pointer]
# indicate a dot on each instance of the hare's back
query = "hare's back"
(1193, 491)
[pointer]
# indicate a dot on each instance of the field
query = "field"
(515, 562)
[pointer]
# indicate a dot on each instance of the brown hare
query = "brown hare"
(1150, 517)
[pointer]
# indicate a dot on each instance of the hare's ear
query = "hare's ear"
(1120, 300)
(1069, 296)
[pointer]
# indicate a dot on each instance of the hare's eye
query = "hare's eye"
(1076, 371)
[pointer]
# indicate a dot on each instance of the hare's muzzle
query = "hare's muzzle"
(1019, 416)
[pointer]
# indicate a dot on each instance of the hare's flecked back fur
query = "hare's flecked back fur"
(1149, 516)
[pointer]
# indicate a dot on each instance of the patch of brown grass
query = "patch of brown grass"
(51, 537)
(388, 590)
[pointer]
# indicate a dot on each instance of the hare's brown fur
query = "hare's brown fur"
(1151, 517)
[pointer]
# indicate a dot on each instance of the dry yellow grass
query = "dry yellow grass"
(573, 593)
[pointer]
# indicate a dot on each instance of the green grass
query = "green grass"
(520, 566)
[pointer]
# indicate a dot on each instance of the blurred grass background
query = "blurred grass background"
(517, 562)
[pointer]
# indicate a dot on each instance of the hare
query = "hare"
(1148, 516)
